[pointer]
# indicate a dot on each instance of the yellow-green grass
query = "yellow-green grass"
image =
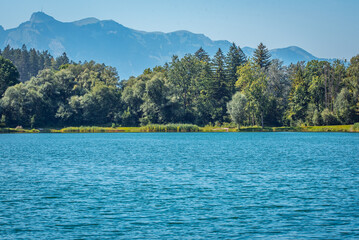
(185, 128)
(334, 128)
(217, 129)
(96, 129)
(18, 130)
(170, 128)
(268, 129)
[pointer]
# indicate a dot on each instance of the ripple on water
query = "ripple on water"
(179, 186)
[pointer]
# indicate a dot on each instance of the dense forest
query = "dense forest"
(30, 62)
(38, 90)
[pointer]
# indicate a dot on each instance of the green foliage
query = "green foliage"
(224, 91)
(18, 130)
(237, 108)
(3, 121)
(27, 62)
(298, 97)
(61, 97)
(317, 119)
(352, 82)
(328, 117)
(183, 75)
(344, 107)
(61, 62)
(202, 55)
(219, 91)
(83, 129)
(20, 104)
(8, 75)
(235, 58)
(253, 83)
(333, 128)
(33, 121)
(155, 105)
(261, 56)
(170, 128)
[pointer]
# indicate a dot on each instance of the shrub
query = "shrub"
(328, 117)
(317, 120)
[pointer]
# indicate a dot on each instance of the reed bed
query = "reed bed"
(185, 128)
(333, 128)
(88, 130)
(170, 128)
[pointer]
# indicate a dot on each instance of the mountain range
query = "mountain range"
(130, 51)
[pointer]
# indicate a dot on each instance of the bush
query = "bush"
(237, 108)
(317, 120)
(329, 118)
(344, 108)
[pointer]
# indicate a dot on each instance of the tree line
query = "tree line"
(30, 62)
(195, 89)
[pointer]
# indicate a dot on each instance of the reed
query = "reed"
(331, 128)
(18, 130)
(170, 128)
(355, 127)
(93, 129)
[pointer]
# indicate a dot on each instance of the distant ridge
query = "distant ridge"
(129, 50)
(86, 21)
(288, 55)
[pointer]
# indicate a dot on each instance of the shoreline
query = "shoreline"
(332, 128)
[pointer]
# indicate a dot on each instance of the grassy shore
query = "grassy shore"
(18, 130)
(332, 128)
(185, 128)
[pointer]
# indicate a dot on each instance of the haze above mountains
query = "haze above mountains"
(130, 51)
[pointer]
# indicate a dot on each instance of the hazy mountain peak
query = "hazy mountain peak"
(38, 17)
(296, 50)
(182, 32)
(111, 24)
(130, 50)
(86, 21)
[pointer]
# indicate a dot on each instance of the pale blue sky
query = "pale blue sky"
(325, 28)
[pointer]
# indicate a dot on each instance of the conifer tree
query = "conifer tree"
(6, 52)
(24, 65)
(60, 60)
(219, 87)
(262, 56)
(34, 64)
(235, 58)
(298, 97)
(8, 75)
(202, 55)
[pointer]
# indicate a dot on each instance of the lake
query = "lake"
(179, 186)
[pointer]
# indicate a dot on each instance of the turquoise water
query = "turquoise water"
(179, 186)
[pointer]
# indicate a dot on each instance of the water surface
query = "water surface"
(179, 186)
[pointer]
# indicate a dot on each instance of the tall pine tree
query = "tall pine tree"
(220, 93)
(262, 56)
(235, 58)
(202, 55)
(61, 60)
(28, 63)
(298, 97)
(8, 75)
(24, 64)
